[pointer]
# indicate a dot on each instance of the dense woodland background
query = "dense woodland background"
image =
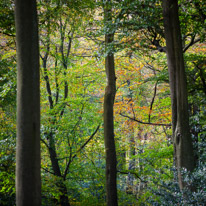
(73, 52)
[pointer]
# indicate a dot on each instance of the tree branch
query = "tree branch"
(201, 76)
(45, 73)
(56, 81)
(148, 123)
(192, 42)
(152, 102)
(79, 150)
(45, 143)
(126, 172)
(48, 171)
(158, 46)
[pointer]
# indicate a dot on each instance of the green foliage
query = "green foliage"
(7, 157)
(7, 17)
(7, 129)
(169, 193)
(7, 82)
(192, 18)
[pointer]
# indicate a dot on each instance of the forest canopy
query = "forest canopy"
(122, 99)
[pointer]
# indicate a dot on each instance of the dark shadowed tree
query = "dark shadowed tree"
(183, 149)
(109, 97)
(28, 181)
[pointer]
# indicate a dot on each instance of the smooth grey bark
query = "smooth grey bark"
(28, 180)
(109, 97)
(183, 149)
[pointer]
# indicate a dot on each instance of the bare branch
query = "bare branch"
(152, 102)
(79, 150)
(48, 171)
(126, 172)
(192, 42)
(148, 123)
(45, 143)
(48, 87)
(45, 73)
(56, 81)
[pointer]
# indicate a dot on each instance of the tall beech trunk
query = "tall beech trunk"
(183, 149)
(109, 97)
(28, 181)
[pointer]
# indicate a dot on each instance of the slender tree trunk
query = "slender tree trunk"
(64, 200)
(184, 156)
(109, 97)
(131, 161)
(28, 181)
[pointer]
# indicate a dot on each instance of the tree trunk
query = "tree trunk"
(131, 161)
(28, 181)
(109, 97)
(183, 149)
(63, 198)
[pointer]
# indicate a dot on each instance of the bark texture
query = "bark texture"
(183, 149)
(109, 97)
(28, 181)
